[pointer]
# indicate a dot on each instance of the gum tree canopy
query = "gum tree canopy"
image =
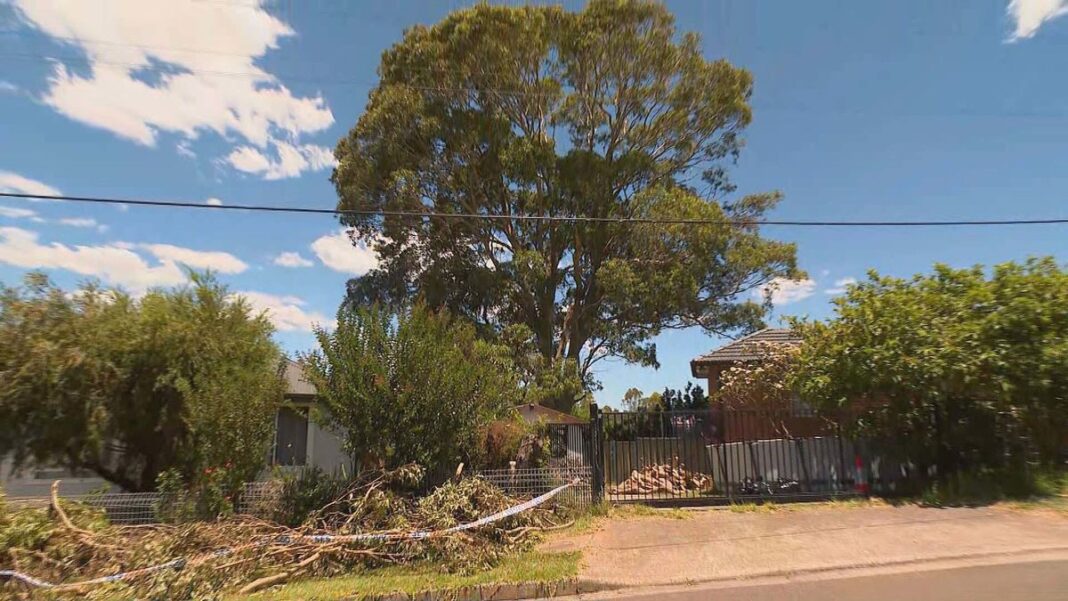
(608, 113)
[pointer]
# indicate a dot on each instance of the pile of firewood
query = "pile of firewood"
(663, 478)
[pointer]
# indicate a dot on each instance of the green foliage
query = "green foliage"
(633, 399)
(502, 441)
(409, 387)
(210, 496)
(692, 398)
(555, 384)
(959, 369)
(182, 379)
(607, 112)
(296, 496)
(32, 530)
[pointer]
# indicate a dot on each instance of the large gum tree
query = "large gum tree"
(608, 112)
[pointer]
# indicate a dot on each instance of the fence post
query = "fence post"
(597, 449)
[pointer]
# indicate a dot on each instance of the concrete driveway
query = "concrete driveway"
(718, 544)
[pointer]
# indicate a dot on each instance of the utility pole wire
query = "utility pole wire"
(546, 218)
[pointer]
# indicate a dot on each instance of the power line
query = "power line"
(543, 218)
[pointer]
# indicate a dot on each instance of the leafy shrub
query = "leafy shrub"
(502, 441)
(210, 497)
(295, 496)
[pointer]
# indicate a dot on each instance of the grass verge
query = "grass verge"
(596, 515)
(527, 567)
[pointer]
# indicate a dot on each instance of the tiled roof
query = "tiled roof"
(532, 413)
(747, 348)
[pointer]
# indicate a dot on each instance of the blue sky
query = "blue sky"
(888, 111)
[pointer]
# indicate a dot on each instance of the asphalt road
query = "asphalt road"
(1030, 581)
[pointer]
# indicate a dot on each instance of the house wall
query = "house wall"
(325, 450)
(26, 483)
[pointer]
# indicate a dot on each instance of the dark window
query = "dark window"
(291, 437)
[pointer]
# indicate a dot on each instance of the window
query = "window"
(291, 436)
(799, 408)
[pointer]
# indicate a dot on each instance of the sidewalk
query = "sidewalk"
(718, 544)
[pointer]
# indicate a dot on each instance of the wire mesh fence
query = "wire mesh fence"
(531, 482)
(121, 508)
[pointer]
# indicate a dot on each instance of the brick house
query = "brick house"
(741, 423)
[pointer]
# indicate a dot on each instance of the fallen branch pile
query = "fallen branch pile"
(663, 478)
(70, 542)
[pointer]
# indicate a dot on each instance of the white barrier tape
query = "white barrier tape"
(315, 538)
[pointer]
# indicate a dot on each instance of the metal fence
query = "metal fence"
(715, 455)
(531, 482)
(121, 508)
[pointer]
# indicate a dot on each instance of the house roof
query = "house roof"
(746, 348)
(532, 412)
(296, 384)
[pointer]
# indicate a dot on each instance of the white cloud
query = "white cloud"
(15, 213)
(18, 184)
(184, 68)
(783, 291)
(197, 259)
(292, 160)
(337, 252)
(79, 222)
(8, 87)
(215, 202)
(287, 313)
(184, 149)
(840, 285)
(1029, 15)
(116, 263)
(291, 259)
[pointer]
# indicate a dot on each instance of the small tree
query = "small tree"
(633, 400)
(761, 384)
(183, 380)
(415, 386)
(764, 385)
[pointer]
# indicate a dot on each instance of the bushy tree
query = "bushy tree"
(608, 113)
(184, 380)
(633, 399)
(960, 369)
(691, 398)
(763, 384)
(409, 386)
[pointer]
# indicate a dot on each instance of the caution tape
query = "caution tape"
(180, 563)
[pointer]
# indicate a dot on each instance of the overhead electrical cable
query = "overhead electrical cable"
(429, 214)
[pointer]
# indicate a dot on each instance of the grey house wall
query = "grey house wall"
(36, 481)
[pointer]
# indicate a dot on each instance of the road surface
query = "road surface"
(1045, 580)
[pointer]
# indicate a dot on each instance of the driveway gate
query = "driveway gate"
(719, 455)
